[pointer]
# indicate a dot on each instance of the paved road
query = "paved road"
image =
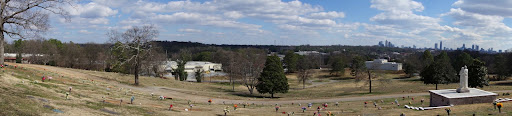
(195, 95)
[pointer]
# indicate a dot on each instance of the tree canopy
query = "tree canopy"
(439, 72)
(501, 68)
(358, 66)
(476, 74)
(135, 43)
(462, 60)
(23, 19)
(427, 58)
(272, 80)
(337, 65)
(290, 60)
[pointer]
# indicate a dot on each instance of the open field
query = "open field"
(19, 95)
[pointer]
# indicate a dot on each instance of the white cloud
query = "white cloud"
(190, 30)
(233, 14)
(397, 5)
(481, 22)
(398, 20)
(486, 7)
(92, 10)
(84, 32)
(399, 13)
(326, 15)
(99, 21)
(202, 19)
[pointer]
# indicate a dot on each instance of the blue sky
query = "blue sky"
(296, 22)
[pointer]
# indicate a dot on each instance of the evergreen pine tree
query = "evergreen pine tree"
(439, 72)
(272, 79)
(476, 74)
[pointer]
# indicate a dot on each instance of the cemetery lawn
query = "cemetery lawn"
(19, 95)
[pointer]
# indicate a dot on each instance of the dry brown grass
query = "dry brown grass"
(87, 92)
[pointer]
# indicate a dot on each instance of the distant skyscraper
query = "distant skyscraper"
(414, 46)
(441, 45)
(463, 46)
(386, 44)
(473, 47)
(477, 47)
(436, 46)
(381, 44)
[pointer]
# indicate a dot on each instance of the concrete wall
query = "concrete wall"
(437, 100)
(473, 100)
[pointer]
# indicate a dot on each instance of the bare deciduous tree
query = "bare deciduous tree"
(304, 66)
(136, 43)
(251, 65)
(151, 66)
(94, 56)
(27, 18)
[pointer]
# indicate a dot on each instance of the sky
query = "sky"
(423, 23)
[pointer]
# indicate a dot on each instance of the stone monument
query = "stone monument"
(463, 86)
(461, 95)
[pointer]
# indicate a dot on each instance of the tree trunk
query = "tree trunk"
(137, 64)
(436, 86)
(272, 95)
(370, 79)
(304, 84)
(136, 76)
(2, 39)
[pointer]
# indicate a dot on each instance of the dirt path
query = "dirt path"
(194, 95)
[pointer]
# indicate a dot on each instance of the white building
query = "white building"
(191, 67)
(383, 64)
(303, 53)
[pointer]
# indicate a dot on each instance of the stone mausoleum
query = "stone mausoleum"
(462, 95)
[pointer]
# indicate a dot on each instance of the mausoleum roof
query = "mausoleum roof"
(452, 93)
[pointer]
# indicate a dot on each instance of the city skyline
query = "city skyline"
(474, 47)
(289, 22)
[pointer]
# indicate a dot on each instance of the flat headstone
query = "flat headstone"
(47, 106)
(57, 110)
(109, 111)
(43, 100)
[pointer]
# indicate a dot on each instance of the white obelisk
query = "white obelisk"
(463, 87)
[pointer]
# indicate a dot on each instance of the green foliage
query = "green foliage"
(57, 43)
(18, 45)
(501, 67)
(118, 62)
(337, 65)
(427, 58)
(476, 74)
(358, 66)
(509, 63)
(180, 71)
(290, 60)
(199, 75)
(272, 79)
(203, 56)
(462, 60)
(410, 68)
(439, 72)
(18, 58)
